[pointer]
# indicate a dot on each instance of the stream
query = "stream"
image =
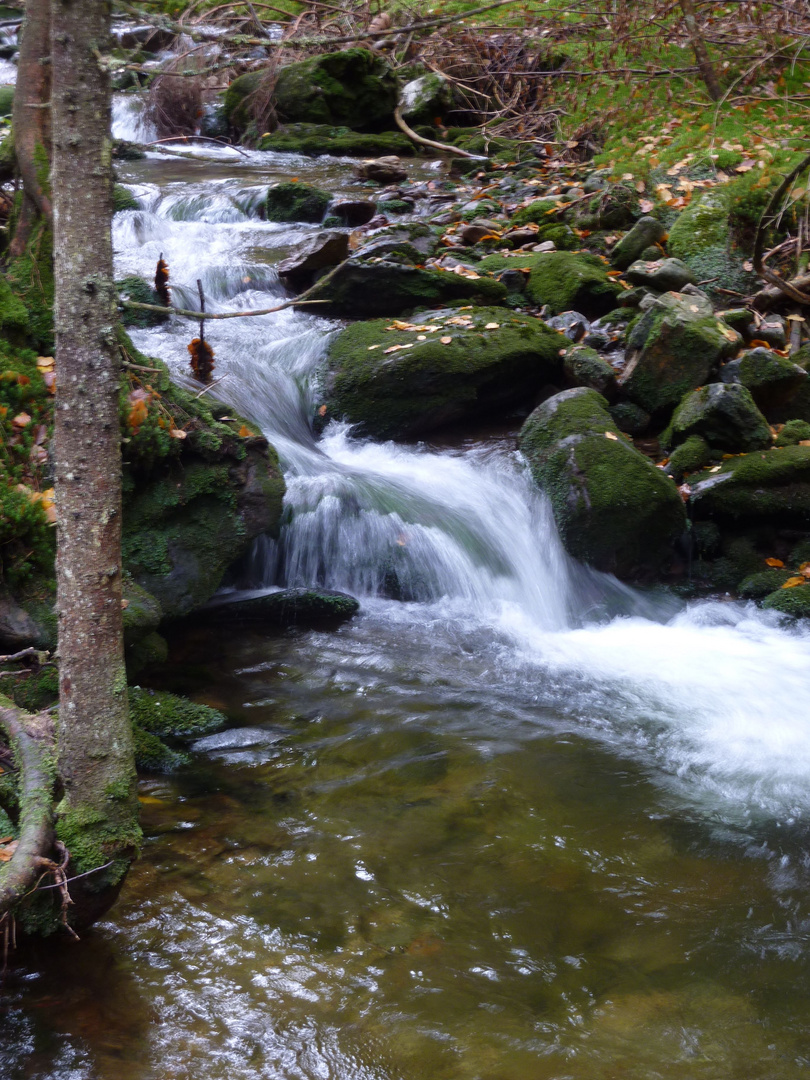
(524, 823)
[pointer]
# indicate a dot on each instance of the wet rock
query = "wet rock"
(316, 140)
(691, 456)
(478, 230)
(646, 231)
(662, 275)
(725, 415)
(793, 602)
(770, 487)
(672, 349)
(564, 280)
(316, 253)
(18, 630)
(629, 418)
(288, 607)
(354, 212)
(358, 289)
(293, 201)
(493, 360)
(772, 379)
(571, 323)
(354, 87)
(772, 330)
(613, 508)
(585, 367)
(383, 170)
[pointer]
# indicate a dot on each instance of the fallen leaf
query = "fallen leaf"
(777, 563)
(610, 435)
(792, 582)
(371, 347)
(492, 326)
(21, 420)
(445, 340)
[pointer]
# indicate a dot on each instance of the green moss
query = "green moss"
(37, 691)
(394, 206)
(771, 486)
(6, 100)
(167, 715)
(536, 212)
(149, 650)
(354, 87)
(689, 457)
(31, 280)
(13, 315)
(759, 585)
(135, 288)
(564, 280)
(153, 755)
(315, 140)
(794, 602)
(123, 199)
(431, 384)
(89, 836)
(291, 201)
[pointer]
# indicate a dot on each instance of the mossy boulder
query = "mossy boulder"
(563, 280)
(356, 88)
(770, 487)
(614, 509)
(725, 415)
(691, 456)
(538, 212)
(646, 232)
(239, 98)
(773, 380)
(660, 275)
(135, 288)
(673, 348)
(153, 755)
(701, 238)
(142, 613)
(794, 602)
(793, 433)
(422, 100)
(169, 716)
(427, 384)
(615, 206)
(316, 140)
(630, 418)
(760, 584)
(358, 289)
(288, 607)
(293, 201)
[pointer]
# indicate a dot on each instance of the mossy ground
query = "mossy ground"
(564, 280)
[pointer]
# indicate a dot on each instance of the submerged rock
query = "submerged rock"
(383, 170)
(468, 363)
(614, 509)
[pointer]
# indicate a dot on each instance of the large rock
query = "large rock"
(673, 348)
(584, 366)
(564, 280)
(495, 360)
(293, 201)
(772, 379)
(358, 289)
(769, 487)
(701, 237)
(195, 516)
(355, 88)
(662, 275)
(325, 249)
(383, 170)
(725, 415)
(614, 509)
(424, 99)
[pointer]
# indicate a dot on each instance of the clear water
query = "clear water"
(525, 823)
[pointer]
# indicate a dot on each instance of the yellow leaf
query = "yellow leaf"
(610, 435)
(777, 563)
(374, 347)
(445, 340)
(792, 582)
(245, 432)
(492, 326)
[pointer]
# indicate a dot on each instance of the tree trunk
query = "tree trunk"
(31, 120)
(97, 818)
(704, 64)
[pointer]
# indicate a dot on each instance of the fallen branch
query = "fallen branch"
(446, 147)
(31, 739)
(199, 315)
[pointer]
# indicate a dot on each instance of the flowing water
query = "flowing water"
(521, 824)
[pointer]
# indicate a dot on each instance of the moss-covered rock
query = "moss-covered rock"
(701, 237)
(142, 613)
(760, 584)
(169, 716)
(660, 275)
(135, 288)
(123, 199)
(584, 366)
(772, 379)
(793, 433)
(150, 650)
(153, 755)
(768, 486)
(673, 348)
(289, 607)
(794, 602)
(613, 508)
(615, 206)
(725, 415)
(359, 289)
(355, 88)
(646, 232)
(427, 384)
(693, 454)
(564, 280)
(630, 418)
(537, 212)
(422, 100)
(293, 201)
(316, 140)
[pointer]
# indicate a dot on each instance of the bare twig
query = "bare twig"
(446, 147)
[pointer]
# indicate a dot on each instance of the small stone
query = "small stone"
(646, 231)
(383, 170)
(663, 275)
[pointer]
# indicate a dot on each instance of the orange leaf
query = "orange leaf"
(792, 582)
(777, 563)
(245, 431)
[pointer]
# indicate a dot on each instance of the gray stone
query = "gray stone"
(383, 170)
(772, 379)
(317, 252)
(663, 275)
(646, 231)
(725, 415)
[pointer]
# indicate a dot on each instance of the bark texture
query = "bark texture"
(97, 818)
(31, 119)
(705, 66)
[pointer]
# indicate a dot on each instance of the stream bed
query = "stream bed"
(524, 824)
